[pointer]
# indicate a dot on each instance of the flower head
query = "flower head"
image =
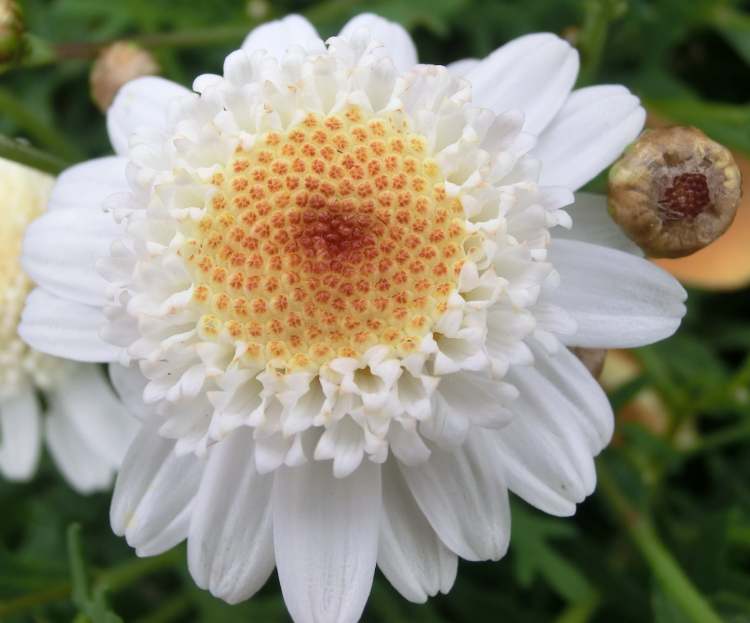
(331, 282)
(85, 444)
(675, 191)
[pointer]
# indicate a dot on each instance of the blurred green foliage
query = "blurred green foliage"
(668, 532)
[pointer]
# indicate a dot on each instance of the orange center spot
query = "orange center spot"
(326, 240)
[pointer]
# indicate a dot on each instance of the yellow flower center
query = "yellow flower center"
(24, 195)
(325, 240)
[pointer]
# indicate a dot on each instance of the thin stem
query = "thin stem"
(665, 568)
(183, 39)
(77, 565)
(56, 592)
(125, 574)
(115, 579)
(730, 435)
(596, 19)
(580, 612)
(46, 53)
(23, 153)
(43, 133)
(732, 394)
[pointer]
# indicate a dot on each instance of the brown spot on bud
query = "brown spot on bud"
(674, 191)
(117, 64)
(686, 198)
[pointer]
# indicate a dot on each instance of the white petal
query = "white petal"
(544, 452)
(464, 499)
(64, 328)
(86, 185)
(325, 534)
(588, 134)
(566, 372)
(410, 554)
(533, 74)
(84, 469)
(61, 249)
(278, 36)
(230, 543)
(482, 399)
(154, 492)
(462, 67)
(398, 44)
(140, 103)
(617, 299)
(20, 435)
(448, 426)
(592, 223)
(407, 444)
(101, 421)
(129, 384)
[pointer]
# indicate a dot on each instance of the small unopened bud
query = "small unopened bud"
(674, 191)
(117, 64)
(11, 31)
(592, 358)
(258, 9)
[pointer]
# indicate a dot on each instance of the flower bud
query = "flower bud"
(117, 64)
(592, 358)
(674, 191)
(258, 9)
(11, 31)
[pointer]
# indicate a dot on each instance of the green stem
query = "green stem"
(596, 19)
(23, 153)
(734, 434)
(125, 574)
(25, 603)
(733, 24)
(580, 612)
(725, 394)
(183, 39)
(46, 53)
(115, 579)
(37, 129)
(77, 565)
(591, 39)
(665, 568)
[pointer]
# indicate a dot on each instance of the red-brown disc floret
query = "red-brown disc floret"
(325, 240)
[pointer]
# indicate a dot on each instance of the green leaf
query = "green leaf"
(19, 574)
(664, 610)
(687, 372)
(734, 26)
(534, 557)
(727, 123)
(93, 607)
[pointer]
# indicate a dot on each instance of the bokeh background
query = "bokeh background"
(666, 537)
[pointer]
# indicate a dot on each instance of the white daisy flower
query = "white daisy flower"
(86, 444)
(340, 289)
